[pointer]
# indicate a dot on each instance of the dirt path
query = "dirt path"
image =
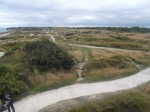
(41, 100)
(1, 54)
(103, 48)
(79, 70)
(4, 35)
(52, 38)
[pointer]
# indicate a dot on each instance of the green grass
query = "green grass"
(93, 76)
(55, 85)
(121, 42)
(109, 68)
(131, 101)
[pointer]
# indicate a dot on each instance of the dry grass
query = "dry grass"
(134, 60)
(42, 82)
(50, 78)
(97, 54)
(78, 54)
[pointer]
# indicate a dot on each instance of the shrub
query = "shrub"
(9, 79)
(44, 55)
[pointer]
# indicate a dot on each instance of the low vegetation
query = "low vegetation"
(107, 64)
(11, 79)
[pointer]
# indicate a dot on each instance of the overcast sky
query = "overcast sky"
(74, 13)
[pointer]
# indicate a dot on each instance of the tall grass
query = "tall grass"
(134, 101)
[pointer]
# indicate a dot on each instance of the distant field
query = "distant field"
(104, 38)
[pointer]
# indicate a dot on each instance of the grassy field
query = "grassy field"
(102, 38)
(104, 64)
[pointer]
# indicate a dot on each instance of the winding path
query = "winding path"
(102, 48)
(53, 39)
(41, 100)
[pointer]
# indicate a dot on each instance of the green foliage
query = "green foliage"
(24, 59)
(127, 29)
(121, 38)
(45, 55)
(117, 61)
(126, 102)
(9, 79)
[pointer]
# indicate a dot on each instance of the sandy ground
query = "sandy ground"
(1, 54)
(4, 35)
(36, 102)
(103, 48)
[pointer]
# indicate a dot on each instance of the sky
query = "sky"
(26, 13)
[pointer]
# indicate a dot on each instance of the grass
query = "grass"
(107, 65)
(106, 38)
(53, 85)
(130, 45)
(108, 74)
(109, 68)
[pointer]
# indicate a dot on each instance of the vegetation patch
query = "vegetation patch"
(35, 66)
(45, 55)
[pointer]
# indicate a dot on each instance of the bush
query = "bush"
(45, 55)
(9, 79)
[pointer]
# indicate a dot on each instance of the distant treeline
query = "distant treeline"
(119, 29)
(127, 29)
(116, 29)
(27, 28)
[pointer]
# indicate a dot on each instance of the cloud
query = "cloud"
(74, 13)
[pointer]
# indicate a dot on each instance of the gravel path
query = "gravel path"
(4, 35)
(36, 102)
(103, 48)
(1, 54)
